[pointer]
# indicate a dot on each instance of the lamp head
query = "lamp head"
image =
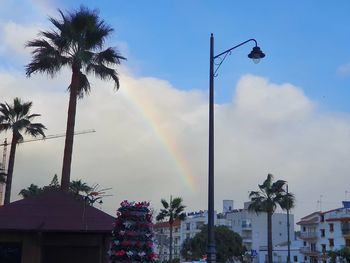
(256, 54)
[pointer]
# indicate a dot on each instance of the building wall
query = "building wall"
(318, 235)
(253, 227)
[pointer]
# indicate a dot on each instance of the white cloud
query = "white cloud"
(344, 70)
(148, 132)
(14, 37)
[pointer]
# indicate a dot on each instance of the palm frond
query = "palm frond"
(104, 73)
(164, 203)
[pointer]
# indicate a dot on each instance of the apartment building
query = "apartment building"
(181, 231)
(252, 227)
(162, 239)
(324, 231)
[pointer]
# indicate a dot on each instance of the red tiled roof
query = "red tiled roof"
(314, 213)
(177, 222)
(308, 222)
(343, 219)
(54, 211)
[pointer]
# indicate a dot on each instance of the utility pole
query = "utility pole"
(288, 229)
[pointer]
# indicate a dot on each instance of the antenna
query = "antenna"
(346, 195)
(319, 202)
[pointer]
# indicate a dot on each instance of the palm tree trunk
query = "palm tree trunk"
(171, 243)
(10, 170)
(269, 236)
(68, 146)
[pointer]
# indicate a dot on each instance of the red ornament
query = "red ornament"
(126, 243)
(149, 243)
(152, 256)
(120, 253)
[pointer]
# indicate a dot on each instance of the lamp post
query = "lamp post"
(256, 54)
(288, 229)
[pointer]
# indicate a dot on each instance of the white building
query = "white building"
(181, 231)
(325, 231)
(280, 252)
(252, 227)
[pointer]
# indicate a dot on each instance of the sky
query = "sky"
(287, 115)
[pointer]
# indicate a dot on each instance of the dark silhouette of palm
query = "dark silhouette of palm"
(76, 42)
(171, 211)
(78, 186)
(18, 119)
(269, 196)
(30, 191)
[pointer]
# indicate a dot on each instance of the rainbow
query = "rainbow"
(152, 118)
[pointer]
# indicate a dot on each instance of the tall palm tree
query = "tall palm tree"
(171, 211)
(76, 42)
(269, 196)
(17, 118)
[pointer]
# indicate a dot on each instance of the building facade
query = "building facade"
(252, 227)
(324, 231)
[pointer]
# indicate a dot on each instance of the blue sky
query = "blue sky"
(287, 115)
(305, 42)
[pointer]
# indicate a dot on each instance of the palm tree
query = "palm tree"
(172, 211)
(17, 118)
(78, 186)
(269, 196)
(76, 42)
(32, 190)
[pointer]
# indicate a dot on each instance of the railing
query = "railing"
(246, 225)
(308, 250)
(345, 231)
(306, 235)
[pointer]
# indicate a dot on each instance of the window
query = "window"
(322, 232)
(295, 258)
(323, 248)
(304, 243)
(313, 247)
(331, 242)
(331, 227)
(199, 225)
(347, 242)
(161, 231)
(304, 229)
(188, 226)
(322, 218)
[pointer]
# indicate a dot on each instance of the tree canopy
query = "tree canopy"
(228, 244)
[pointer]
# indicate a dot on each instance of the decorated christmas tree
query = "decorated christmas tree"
(132, 236)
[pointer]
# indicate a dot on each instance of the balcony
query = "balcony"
(308, 251)
(308, 235)
(345, 231)
(246, 226)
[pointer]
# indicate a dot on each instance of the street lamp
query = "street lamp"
(256, 54)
